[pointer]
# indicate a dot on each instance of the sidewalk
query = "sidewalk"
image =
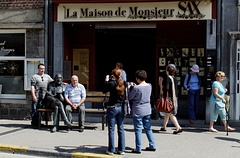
(16, 136)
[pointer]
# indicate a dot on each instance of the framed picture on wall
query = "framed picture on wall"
(202, 91)
(200, 52)
(200, 62)
(162, 52)
(169, 53)
(184, 71)
(185, 52)
(201, 71)
(193, 52)
(179, 81)
(192, 61)
(183, 91)
(177, 61)
(177, 72)
(211, 69)
(185, 62)
(162, 61)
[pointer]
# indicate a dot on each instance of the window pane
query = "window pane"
(11, 76)
(12, 44)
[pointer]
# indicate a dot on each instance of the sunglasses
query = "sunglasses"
(42, 78)
(223, 76)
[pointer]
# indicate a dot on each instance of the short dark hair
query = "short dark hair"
(41, 64)
(141, 75)
(119, 65)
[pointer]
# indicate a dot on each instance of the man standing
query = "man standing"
(75, 95)
(39, 85)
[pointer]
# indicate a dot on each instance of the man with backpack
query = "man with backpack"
(192, 85)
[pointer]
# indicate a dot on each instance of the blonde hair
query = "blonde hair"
(219, 74)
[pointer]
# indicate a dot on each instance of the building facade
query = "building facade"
(87, 38)
(22, 42)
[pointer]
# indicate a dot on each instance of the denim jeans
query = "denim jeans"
(144, 121)
(115, 115)
(193, 103)
(34, 116)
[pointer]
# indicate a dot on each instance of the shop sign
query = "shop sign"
(12, 44)
(188, 10)
(3, 50)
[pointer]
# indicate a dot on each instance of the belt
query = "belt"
(114, 106)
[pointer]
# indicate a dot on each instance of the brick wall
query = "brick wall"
(21, 4)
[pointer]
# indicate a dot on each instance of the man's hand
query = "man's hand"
(34, 98)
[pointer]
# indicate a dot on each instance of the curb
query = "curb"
(24, 150)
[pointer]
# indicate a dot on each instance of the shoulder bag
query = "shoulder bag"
(126, 104)
(164, 104)
(219, 105)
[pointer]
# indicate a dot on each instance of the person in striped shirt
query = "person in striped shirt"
(75, 95)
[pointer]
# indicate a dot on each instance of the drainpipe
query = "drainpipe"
(46, 35)
(238, 15)
(219, 37)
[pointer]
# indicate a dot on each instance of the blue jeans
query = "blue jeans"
(193, 103)
(115, 115)
(34, 116)
(144, 121)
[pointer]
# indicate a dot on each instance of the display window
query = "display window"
(183, 60)
(15, 71)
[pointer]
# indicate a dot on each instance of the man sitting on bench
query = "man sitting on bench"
(75, 95)
(55, 100)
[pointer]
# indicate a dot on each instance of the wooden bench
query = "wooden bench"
(93, 97)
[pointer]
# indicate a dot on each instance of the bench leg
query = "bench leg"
(103, 120)
(46, 118)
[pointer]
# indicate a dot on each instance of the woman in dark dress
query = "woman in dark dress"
(170, 84)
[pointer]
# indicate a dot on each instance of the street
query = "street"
(194, 142)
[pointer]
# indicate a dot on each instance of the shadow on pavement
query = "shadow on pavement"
(85, 149)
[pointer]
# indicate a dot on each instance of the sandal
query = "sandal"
(178, 131)
(213, 130)
(229, 129)
(163, 129)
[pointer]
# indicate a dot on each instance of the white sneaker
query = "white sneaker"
(109, 152)
(121, 152)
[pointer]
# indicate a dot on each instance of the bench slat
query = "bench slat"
(95, 111)
(98, 100)
(96, 94)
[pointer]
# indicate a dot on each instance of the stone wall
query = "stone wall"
(28, 15)
(16, 109)
(21, 4)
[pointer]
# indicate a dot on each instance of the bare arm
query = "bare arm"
(215, 93)
(34, 98)
(160, 85)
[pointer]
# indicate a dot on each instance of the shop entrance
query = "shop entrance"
(135, 48)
